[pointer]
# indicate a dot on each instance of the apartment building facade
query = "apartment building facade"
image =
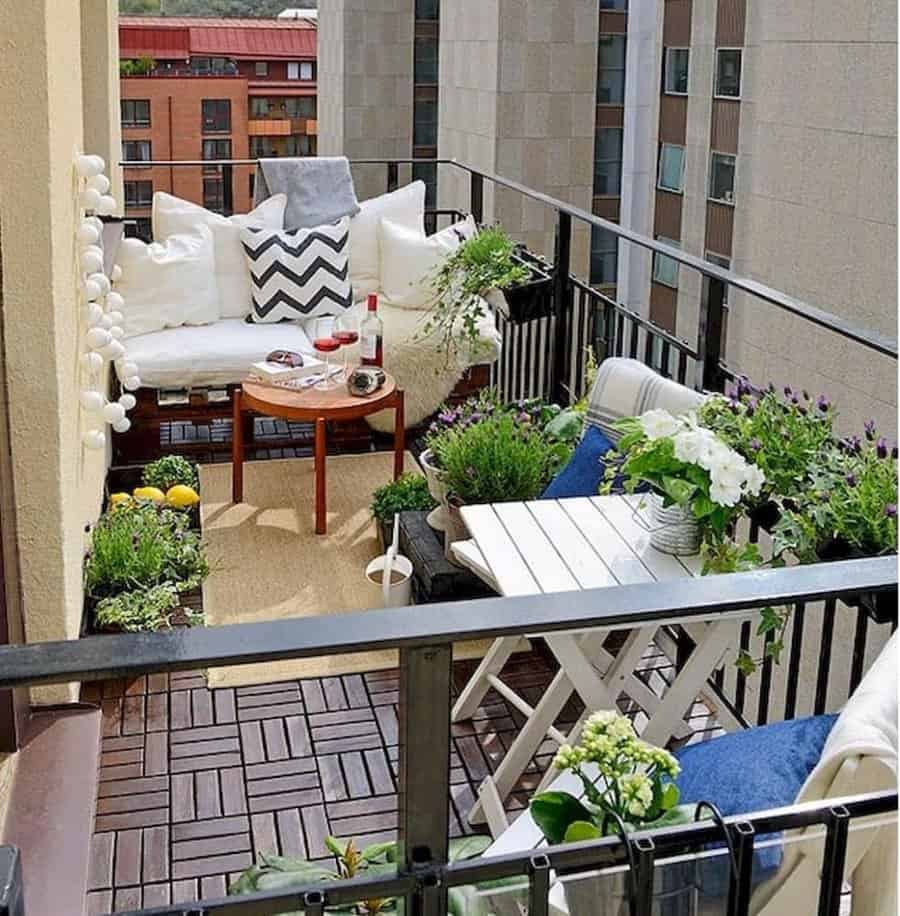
(212, 89)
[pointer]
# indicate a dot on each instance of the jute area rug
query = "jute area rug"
(267, 563)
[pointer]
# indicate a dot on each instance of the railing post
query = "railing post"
(424, 776)
(834, 858)
(741, 886)
(709, 375)
(12, 898)
(561, 288)
(476, 195)
(393, 176)
(228, 189)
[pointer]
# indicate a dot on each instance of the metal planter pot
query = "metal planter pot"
(674, 529)
(437, 518)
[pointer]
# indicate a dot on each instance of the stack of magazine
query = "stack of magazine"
(294, 378)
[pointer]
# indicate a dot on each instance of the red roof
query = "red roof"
(179, 38)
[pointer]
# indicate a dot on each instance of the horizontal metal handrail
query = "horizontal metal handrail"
(873, 340)
(133, 654)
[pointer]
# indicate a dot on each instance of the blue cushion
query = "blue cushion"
(584, 471)
(752, 770)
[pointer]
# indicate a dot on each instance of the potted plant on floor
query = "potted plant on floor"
(848, 511)
(627, 786)
(409, 493)
(484, 268)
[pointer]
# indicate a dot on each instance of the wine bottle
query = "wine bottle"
(371, 335)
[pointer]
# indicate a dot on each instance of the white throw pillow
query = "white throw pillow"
(406, 207)
(410, 260)
(172, 215)
(298, 273)
(169, 284)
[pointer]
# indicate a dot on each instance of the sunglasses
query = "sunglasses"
(285, 358)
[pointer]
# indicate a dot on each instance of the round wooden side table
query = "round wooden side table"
(317, 407)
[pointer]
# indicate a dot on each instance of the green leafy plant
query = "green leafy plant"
(407, 494)
(482, 263)
(275, 873)
(634, 787)
(144, 66)
(849, 508)
(785, 435)
(139, 610)
(497, 460)
(138, 545)
(170, 470)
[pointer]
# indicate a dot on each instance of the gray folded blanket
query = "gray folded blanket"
(319, 189)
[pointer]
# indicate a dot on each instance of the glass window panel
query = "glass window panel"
(611, 70)
(427, 9)
(665, 269)
(425, 122)
(721, 178)
(136, 151)
(728, 72)
(216, 114)
(671, 167)
(259, 108)
(138, 193)
(262, 68)
(608, 162)
(307, 70)
(675, 72)
(614, 5)
(427, 172)
(293, 70)
(604, 257)
(426, 61)
(135, 112)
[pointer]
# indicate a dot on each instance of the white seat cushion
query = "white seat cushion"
(215, 354)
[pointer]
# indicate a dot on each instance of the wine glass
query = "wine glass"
(346, 332)
(325, 344)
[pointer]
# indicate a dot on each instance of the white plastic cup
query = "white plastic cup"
(399, 593)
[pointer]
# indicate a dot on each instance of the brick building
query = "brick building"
(211, 89)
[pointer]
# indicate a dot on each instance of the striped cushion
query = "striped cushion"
(628, 388)
(298, 273)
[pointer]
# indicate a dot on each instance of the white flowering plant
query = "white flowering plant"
(687, 465)
(627, 782)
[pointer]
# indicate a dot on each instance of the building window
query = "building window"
(139, 228)
(665, 269)
(425, 65)
(300, 106)
(721, 178)
(604, 257)
(427, 172)
(259, 108)
(675, 71)
(611, 70)
(214, 194)
(428, 9)
(261, 68)
(671, 168)
(425, 122)
(301, 70)
(297, 145)
(728, 73)
(215, 149)
(621, 5)
(720, 261)
(608, 162)
(216, 115)
(138, 193)
(261, 148)
(135, 112)
(137, 151)
(213, 66)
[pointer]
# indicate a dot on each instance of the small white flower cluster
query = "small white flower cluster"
(731, 475)
(102, 307)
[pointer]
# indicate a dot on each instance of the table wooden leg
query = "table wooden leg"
(237, 450)
(399, 435)
(320, 476)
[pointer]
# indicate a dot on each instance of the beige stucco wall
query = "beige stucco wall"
(817, 196)
(517, 91)
(7, 771)
(365, 84)
(58, 484)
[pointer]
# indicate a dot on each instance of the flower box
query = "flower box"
(192, 599)
(881, 607)
(528, 301)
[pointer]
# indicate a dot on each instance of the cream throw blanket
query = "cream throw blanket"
(859, 756)
(419, 366)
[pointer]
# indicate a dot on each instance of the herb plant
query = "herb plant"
(170, 470)
(480, 264)
(634, 791)
(139, 610)
(497, 460)
(407, 494)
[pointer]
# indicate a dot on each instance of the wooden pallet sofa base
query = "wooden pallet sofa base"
(203, 406)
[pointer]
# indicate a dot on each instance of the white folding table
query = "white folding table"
(555, 546)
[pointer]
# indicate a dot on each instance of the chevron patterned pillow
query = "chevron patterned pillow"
(298, 273)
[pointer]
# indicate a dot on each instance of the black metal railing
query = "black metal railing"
(425, 645)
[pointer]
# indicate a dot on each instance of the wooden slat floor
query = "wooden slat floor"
(196, 783)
